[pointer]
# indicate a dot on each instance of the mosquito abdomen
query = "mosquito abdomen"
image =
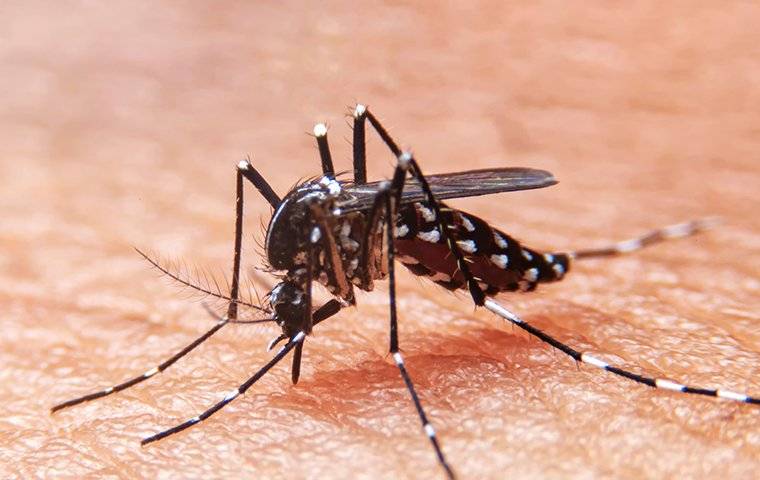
(498, 261)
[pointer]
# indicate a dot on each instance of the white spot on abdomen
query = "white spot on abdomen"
(467, 246)
(531, 274)
(500, 241)
(432, 236)
(427, 214)
(500, 260)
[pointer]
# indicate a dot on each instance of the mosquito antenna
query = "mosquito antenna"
(182, 281)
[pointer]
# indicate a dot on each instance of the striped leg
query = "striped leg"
(655, 236)
(389, 200)
(134, 381)
(232, 395)
(324, 312)
(232, 310)
(593, 361)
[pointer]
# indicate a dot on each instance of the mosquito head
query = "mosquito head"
(291, 307)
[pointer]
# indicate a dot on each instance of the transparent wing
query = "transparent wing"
(471, 183)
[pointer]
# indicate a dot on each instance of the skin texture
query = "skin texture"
(121, 125)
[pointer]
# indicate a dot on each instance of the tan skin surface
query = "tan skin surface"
(120, 125)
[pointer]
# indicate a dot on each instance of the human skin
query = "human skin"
(121, 125)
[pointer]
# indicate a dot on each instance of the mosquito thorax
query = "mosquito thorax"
(288, 235)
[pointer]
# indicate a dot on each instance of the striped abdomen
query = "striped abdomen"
(497, 260)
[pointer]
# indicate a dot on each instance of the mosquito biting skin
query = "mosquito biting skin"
(348, 234)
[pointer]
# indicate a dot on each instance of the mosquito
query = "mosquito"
(348, 234)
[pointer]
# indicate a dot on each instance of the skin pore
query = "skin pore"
(114, 135)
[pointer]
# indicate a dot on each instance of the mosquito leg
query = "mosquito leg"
(284, 350)
(232, 309)
(591, 360)
(360, 145)
(333, 262)
(320, 132)
(385, 205)
(134, 381)
(231, 315)
(253, 176)
(321, 314)
(472, 283)
(655, 236)
(394, 343)
(375, 219)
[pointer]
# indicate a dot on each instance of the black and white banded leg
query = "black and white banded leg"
(387, 199)
(328, 309)
(679, 230)
(232, 309)
(589, 359)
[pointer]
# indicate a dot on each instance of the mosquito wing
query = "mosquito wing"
(471, 183)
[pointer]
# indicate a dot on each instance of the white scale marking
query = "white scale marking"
(404, 159)
(427, 214)
(467, 245)
(526, 255)
(359, 110)
(732, 395)
(468, 224)
(108, 390)
(315, 235)
(500, 241)
(195, 419)
(668, 385)
(433, 236)
(591, 360)
(548, 258)
(345, 229)
(500, 261)
(679, 230)
(231, 394)
(320, 130)
(150, 372)
(299, 336)
(398, 359)
(531, 274)
(401, 231)
(429, 430)
(628, 245)
(559, 270)
(502, 312)
(243, 165)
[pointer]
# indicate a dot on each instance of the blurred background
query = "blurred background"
(121, 124)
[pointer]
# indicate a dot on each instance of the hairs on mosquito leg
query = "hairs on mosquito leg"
(179, 275)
